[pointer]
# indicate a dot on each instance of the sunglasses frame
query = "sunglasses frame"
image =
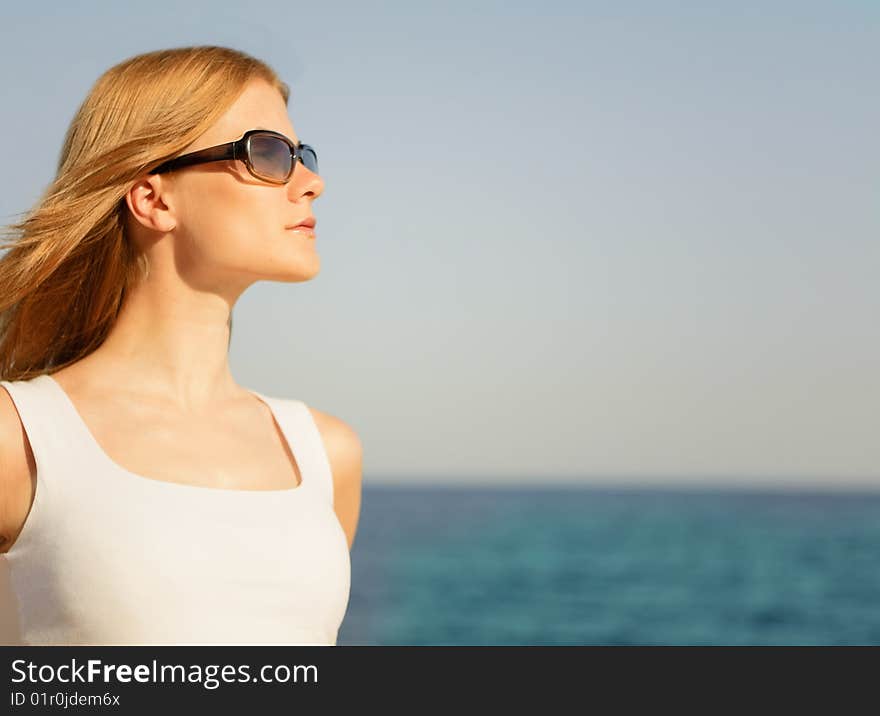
(238, 149)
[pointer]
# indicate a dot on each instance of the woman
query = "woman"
(145, 497)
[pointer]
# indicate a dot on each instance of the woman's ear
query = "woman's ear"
(147, 203)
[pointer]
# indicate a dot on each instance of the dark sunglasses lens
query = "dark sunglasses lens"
(270, 157)
(309, 158)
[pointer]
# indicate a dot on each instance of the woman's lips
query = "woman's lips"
(302, 230)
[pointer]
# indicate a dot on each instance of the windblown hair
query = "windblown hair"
(70, 262)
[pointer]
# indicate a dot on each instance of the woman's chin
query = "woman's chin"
(302, 271)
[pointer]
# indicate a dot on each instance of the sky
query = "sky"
(561, 243)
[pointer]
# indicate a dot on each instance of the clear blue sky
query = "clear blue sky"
(629, 241)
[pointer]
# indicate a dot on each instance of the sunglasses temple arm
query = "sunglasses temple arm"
(203, 156)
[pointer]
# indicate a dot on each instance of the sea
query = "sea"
(480, 566)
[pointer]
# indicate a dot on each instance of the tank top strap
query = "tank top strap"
(302, 434)
(52, 434)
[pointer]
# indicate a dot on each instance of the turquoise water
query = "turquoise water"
(448, 566)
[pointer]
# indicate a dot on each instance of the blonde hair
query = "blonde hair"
(70, 261)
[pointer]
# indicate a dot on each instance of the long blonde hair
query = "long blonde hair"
(70, 261)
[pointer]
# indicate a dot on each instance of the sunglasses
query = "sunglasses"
(268, 155)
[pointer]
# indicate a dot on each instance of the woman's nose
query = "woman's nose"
(305, 182)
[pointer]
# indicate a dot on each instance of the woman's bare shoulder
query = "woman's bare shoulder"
(17, 473)
(340, 438)
(345, 453)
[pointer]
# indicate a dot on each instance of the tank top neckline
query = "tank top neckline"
(98, 451)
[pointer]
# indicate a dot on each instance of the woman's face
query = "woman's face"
(229, 225)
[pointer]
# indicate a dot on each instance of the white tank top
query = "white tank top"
(109, 557)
